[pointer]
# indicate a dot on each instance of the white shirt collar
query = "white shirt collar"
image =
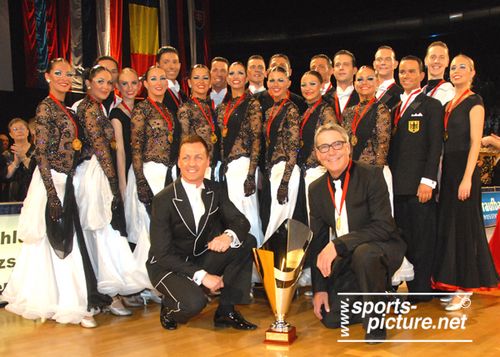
(194, 196)
(405, 96)
(325, 87)
(253, 89)
(386, 84)
(174, 85)
(218, 97)
(191, 187)
(344, 93)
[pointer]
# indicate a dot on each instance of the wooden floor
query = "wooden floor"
(142, 335)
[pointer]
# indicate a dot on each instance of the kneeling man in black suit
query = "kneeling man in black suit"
(356, 246)
(199, 241)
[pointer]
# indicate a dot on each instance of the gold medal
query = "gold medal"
(354, 140)
(112, 143)
(170, 138)
(338, 224)
(224, 131)
(445, 135)
(76, 144)
(213, 138)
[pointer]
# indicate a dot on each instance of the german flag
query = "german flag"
(144, 33)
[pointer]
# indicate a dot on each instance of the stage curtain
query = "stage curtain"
(30, 52)
(51, 30)
(64, 29)
(181, 47)
(116, 29)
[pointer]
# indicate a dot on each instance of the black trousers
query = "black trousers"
(365, 270)
(418, 224)
(184, 299)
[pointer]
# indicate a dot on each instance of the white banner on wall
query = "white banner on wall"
(10, 247)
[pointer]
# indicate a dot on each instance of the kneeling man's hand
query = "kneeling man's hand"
(220, 243)
(325, 259)
(320, 299)
(212, 282)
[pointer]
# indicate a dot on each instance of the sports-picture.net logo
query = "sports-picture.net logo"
(392, 312)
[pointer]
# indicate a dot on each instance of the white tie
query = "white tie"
(198, 206)
(344, 225)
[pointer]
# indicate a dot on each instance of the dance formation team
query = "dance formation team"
(192, 183)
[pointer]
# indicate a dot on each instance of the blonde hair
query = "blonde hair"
(331, 127)
(470, 60)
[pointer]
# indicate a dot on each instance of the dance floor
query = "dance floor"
(142, 335)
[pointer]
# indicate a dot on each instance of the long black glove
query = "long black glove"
(283, 193)
(249, 185)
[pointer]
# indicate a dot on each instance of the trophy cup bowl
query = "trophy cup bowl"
(279, 262)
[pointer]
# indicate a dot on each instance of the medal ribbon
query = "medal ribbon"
(400, 111)
(345, 187)
(228, 112)
(308, 113)
(207, 117)
(383, 93)
(174, 97)
(357, 119)
(63, 108)
(329, 87)
(338, 112)
(127, 107)
(451, 106)
(273, 115)
(431, 94)
(164, 115)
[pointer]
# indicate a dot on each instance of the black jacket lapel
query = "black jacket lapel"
(207, 196)
(183, 207)
(413, 106)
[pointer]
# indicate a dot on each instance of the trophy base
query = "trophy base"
(281, 338)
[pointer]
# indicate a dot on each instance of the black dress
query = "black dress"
(463, 257)
(117, 113)
(21, 179)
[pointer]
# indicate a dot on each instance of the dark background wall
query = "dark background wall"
(304, 28)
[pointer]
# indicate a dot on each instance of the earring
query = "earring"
(89, 87)
(48, 81)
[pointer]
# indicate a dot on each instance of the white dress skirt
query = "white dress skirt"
(42, 285)
(281, 212)
(236, 174)
(405, 271)
(137, 217)
(208, 172)
(312, 175)
(114, 265)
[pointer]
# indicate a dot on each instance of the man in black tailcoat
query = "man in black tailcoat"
(356, 246)
(199, 242)
(414, 153)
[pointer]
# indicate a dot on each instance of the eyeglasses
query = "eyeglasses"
(336, 145)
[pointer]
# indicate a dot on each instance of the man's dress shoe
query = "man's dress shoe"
(234, 320)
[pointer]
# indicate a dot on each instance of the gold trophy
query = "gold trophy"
(279, 262)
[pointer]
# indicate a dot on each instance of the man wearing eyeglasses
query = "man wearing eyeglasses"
(356, 245)
(385, 63)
